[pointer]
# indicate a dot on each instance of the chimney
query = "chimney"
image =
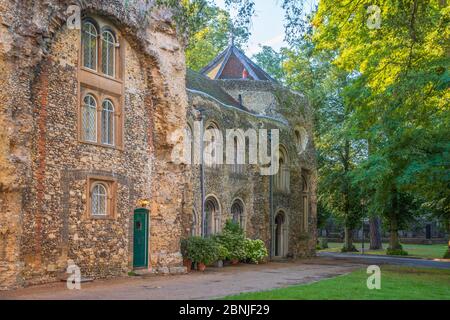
(245, 74)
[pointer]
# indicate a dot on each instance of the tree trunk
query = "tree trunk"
(348, 240)
(375, 233)
(394, 242)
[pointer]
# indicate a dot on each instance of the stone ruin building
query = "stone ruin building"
(87, 117)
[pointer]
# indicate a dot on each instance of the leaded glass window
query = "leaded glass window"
(107, 122)
(89, 39)
(108, 53)
(89, 119)
(99, 200)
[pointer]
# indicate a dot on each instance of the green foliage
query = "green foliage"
(271, 62)
(322, 243)
(222, 252)
(447, 254)
(233, 239)
(213, 38)
(396, 252)
(347, 248)
(255, 251)
(201, 250)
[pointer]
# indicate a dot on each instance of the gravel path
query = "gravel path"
(213, 283)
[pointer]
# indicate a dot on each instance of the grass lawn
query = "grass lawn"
(397, 283)
(433, 251)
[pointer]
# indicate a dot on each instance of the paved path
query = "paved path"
(379, 259)
(211, 284)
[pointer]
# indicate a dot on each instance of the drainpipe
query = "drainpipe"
(200, 118)
(271, 216)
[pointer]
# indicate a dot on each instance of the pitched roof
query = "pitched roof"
(198, 82)
(231, 63)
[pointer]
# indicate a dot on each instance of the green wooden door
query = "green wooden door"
(140, 246)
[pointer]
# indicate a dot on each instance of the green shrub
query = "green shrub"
(200, 250)
(255, 250)
(232, 238)
(447, 255)
(233, 227)
(351, 249)
(323, 243)
(222, 252)
(396, 252)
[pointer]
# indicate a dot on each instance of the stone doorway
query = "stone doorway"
(281, 239)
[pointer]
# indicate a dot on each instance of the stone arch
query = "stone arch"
(213, 138)
(195, 223)
(280, 234)
(301, 138)
(238, 212)
(282, 178)
(213, 215)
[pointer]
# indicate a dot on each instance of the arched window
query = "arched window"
(107, 122)
(89, 119)
(99, 200)
(214, 146)
(212, 221)
(282, 178)
(108, 53)
(301, 139)
(90, 46)
(237, 212)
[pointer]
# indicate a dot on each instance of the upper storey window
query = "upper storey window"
(99, 48)
(108, 53)
(90, 45)
(100, 76)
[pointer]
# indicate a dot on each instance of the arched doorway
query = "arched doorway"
(280, 234)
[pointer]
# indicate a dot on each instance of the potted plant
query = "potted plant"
(201, 251)
(222, 255)
(232, 238)
(187, 262)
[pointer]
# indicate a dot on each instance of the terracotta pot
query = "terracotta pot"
(235, 262)
(188, 264)
(201, 266)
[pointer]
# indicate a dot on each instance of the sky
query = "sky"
(267, 25)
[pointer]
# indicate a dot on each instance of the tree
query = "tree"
(272, 62)
(213, 38)
(310, 72)
(398, 96)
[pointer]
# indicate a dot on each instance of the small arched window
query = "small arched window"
(212, 221)
(89, 119)
(108, 53)
(237, 212)
(99, 200)
(282, 178)
(213, 156)
(108, 122)
(90, 46)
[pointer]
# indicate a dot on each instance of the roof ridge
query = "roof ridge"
(251, 66)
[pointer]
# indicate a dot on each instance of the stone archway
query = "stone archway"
(280, 235)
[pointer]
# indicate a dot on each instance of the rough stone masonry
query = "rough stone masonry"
(49, 171)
